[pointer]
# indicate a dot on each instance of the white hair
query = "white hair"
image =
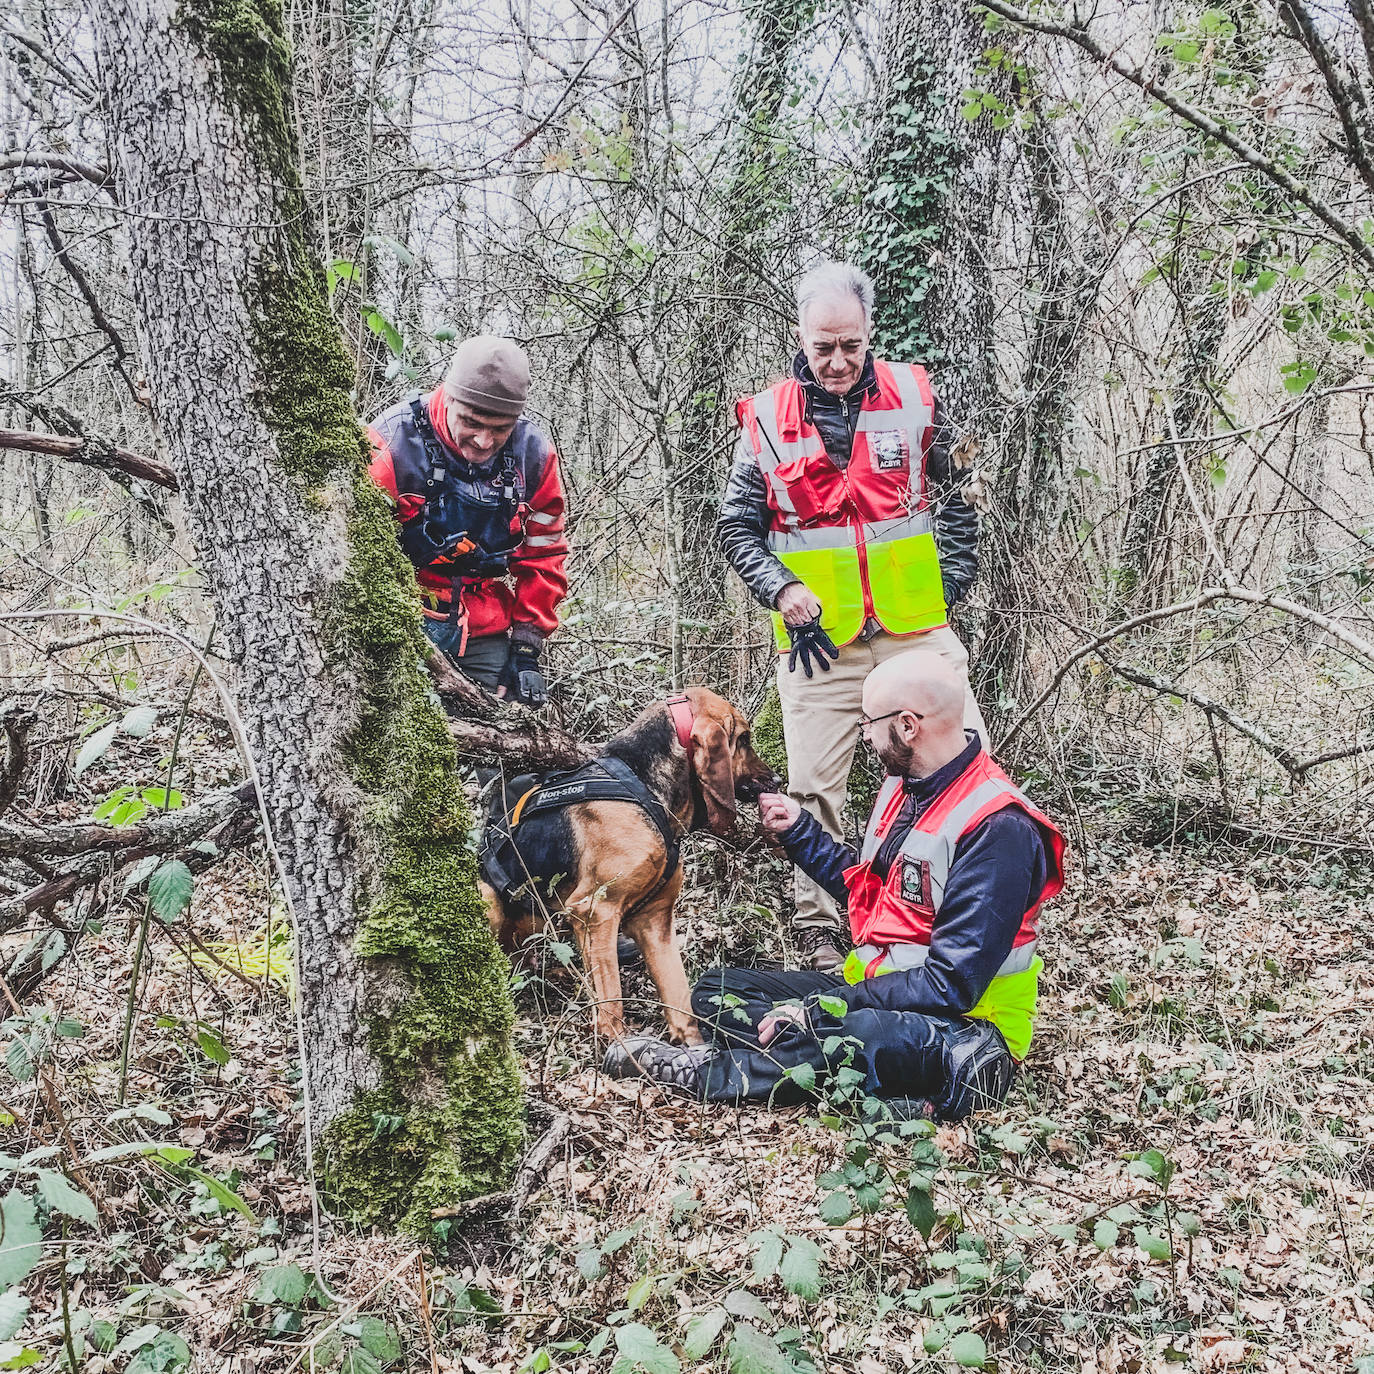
(832, 279)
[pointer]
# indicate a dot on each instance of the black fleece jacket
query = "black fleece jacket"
(742, 526)
(998, 868)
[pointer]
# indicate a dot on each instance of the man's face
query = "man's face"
(834, 338)
(477, 436)
(890, 735)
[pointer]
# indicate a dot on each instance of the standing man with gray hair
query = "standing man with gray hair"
(845, 516)
(479, 498)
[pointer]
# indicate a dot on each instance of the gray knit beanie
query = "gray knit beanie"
(489, 374)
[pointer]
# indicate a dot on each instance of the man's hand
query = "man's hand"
(778, 1019)
(778, 812)
(796, 604)
(521, 679)
(812, 646)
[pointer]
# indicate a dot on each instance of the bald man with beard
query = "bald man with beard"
(937, 998)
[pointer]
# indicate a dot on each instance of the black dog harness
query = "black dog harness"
(606, 779)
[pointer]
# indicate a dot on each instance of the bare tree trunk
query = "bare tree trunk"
(407, 1020)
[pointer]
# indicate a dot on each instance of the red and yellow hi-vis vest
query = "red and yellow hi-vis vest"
(861, 539)
(891, 919)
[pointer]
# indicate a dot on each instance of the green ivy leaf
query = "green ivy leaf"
(920, 1210)
(801, 1268)
(640, 1348)
(139, 721)
(590, 1265)
(767, 1253)
(166, 1353)
(742, 1303)
(967, 1349)
(754, 1352)
(702, 1332)
(836, 1208)
(21, 1240)
(1155, 1246)
(14, 1308)
(379, 1339)
(13, 1356)
(1105, 1234)
(211, 1046)
(94, 747)
(835, 1006)
(60, 1196)
(283, 1283)
(169, 890)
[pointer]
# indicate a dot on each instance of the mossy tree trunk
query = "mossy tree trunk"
(409, 1065)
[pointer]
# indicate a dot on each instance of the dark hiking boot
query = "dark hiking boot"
(978, 1070)
(627, 952)
(819, 949)
(681, 1067)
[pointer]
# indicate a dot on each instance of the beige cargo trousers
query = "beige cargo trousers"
(820, 725)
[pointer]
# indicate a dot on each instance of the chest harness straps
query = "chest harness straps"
(464, 527)
(607, 779)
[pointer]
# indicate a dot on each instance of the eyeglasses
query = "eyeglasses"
(868, 722)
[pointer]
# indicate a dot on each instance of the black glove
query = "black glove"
(521, 676)
(811, 644)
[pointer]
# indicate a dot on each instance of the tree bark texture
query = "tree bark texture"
(925, 222)
(406, 1013)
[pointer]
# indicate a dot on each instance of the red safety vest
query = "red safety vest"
(861, 538)
(902, 909)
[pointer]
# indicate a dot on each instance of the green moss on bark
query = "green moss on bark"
(444, 1123)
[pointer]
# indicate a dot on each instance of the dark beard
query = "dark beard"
(896, 758)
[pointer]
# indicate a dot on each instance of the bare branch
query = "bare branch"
(1213, 708)
(59, 162)
(1356, 643)
(1348, 233)
(16, 720)
(94, 453)
(74, 271)
(1346, 96)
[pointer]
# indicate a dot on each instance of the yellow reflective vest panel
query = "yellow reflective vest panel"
(862, 539)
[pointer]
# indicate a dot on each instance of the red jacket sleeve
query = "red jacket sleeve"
(382, 470)
(539, 565)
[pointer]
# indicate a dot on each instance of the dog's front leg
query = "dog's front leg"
(596, 924)
(652, 930)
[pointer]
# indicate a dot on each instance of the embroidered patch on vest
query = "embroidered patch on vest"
(916, 881)
(890, 449)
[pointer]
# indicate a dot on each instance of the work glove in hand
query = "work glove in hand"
(521, 676)
(811, 644)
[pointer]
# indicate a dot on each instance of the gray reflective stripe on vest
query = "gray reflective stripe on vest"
(773, 451)
(842, 536)
(794, 541)
(913, 414)
(913, 956)
(871, 837)
(901, 527)
(936, 848)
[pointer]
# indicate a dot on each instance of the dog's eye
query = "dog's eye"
(743, 741)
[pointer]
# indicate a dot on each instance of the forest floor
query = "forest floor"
(1181, 1179)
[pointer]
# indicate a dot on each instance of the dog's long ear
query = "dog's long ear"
(714, 767)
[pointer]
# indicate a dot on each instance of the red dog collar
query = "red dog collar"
(680, 709)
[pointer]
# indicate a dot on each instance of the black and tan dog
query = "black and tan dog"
(613, 865)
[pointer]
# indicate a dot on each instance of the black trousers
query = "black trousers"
(483, 658)
(899, 1053)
